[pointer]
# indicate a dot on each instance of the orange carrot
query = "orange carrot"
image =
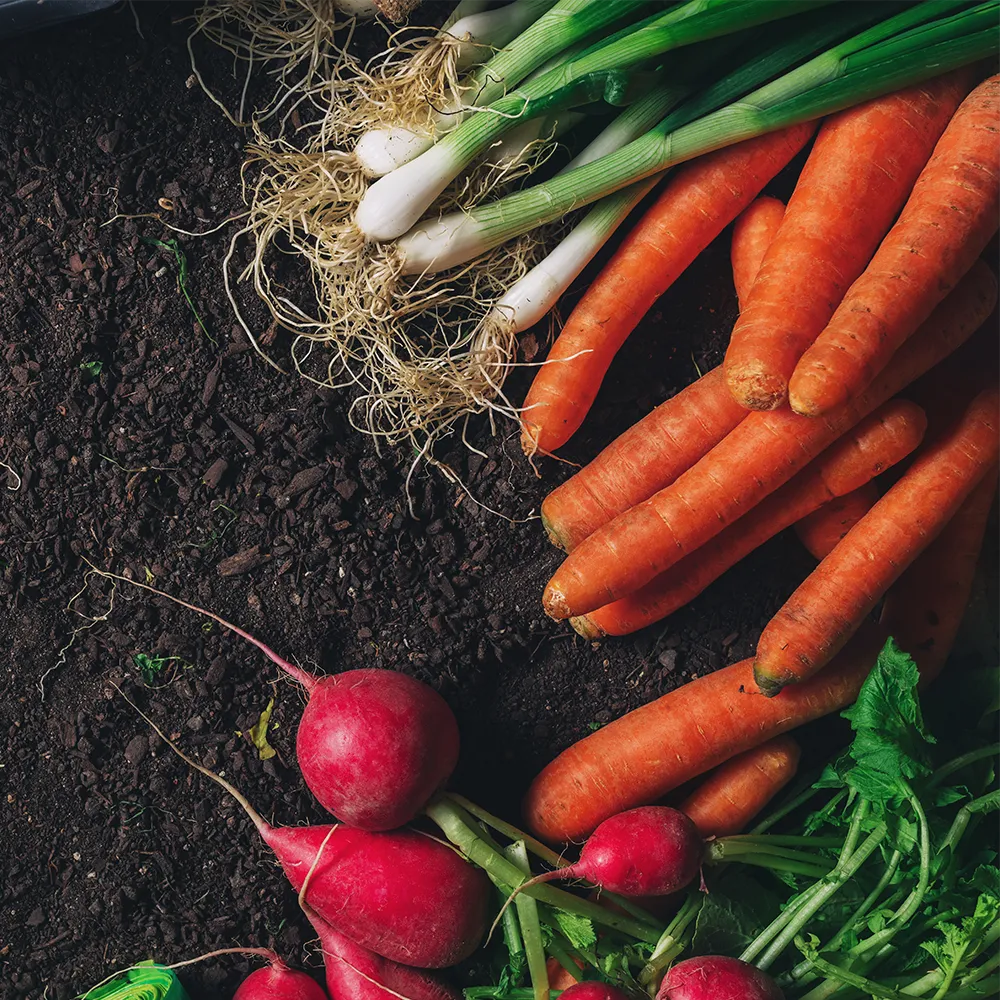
(699, 201)
(645, 754)
(924, 610)
(735, 792)
(856, 179)
(760, 454)
(948, 220)
(881, 440)
(648, 457)
(821, 530)
(841, 592)
(753, 232)
(559, 978)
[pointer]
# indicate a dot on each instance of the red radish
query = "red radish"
(404, 895)
(373, 745)
(592, 990)
(714, 977)
(355, 973)
(278, 982)
(648, 851)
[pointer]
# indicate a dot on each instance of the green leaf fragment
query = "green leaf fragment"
(257, 733)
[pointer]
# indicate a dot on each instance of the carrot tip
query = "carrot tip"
(757, 390)
(552, 531)
(529, 438)
(768, 684)
(583, 625)
(554, 604)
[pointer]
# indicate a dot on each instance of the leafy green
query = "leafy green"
(578, 931)
(889, 748)
(734, 909)
(92, 368)
(257, 733)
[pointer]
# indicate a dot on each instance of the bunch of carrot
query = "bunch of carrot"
(865, 283)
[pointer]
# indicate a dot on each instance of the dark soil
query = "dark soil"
(143, 445)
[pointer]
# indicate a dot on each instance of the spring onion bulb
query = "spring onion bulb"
(464, 8)
(513, 147)
(381, 150)
(895, 53)
(395, 203)
(557, 29)
(493, 29)
(357, 8)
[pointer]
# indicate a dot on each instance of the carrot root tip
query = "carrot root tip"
(757, 390)
(583, 625)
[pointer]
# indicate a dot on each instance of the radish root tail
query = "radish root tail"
(258, 821)
(307, 680)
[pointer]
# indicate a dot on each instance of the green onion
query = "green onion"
(392, 205)
(895, 53)
(531, 297)
(564, 24)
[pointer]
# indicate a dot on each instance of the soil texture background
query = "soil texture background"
(132, 438)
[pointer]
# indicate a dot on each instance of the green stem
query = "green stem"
(839, 877)
(782, 865)
(512, 939)
(448, 818)
(531, 929)
(733, 848)
(780, 840)
(846, 976)
(790, 806)
(985, 803)
(946, 770)
(916, 897)
(804, 967)
(674, 940)
(563, 957)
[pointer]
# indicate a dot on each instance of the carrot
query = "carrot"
(760, 454)
(649, 456)
(821, 530)
(838, 595)
(857, 177)
(947, 222)
(753, 232)
(881, 440)
(700, 200)
(924, 610)
(735, 792)
(652, 750)
(559, 978)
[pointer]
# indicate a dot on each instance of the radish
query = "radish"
(404, 895)
(355, 973)
(593, 990)
(714, 977)
(278, 982)
(373, 745)
(649, 851)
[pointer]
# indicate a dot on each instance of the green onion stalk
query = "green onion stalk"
(396, 201)
(544, 30)
(535, 294)
(923, 41)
